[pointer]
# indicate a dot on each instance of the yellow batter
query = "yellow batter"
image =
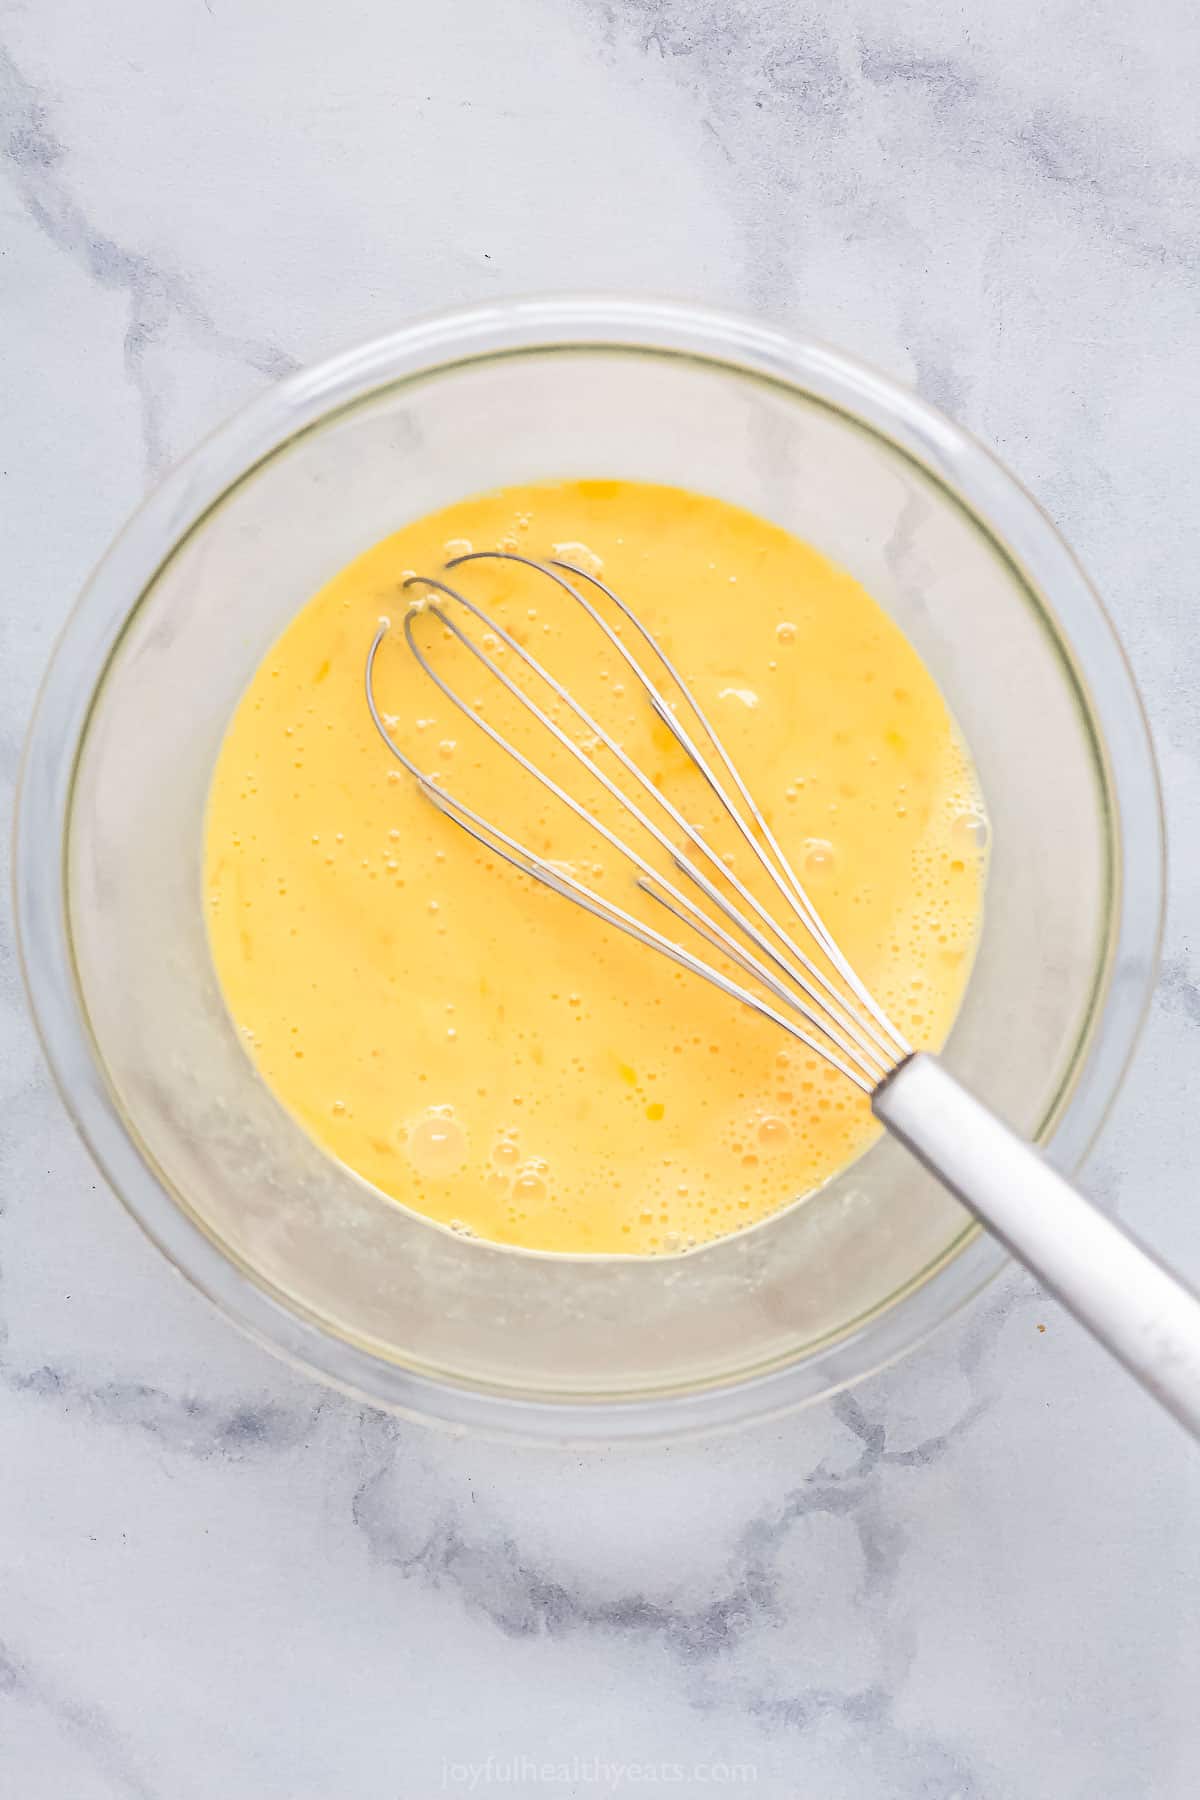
(474, 1045)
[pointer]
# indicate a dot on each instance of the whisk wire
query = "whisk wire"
(686, 907)
(776, 866)
(519, 856)
(750, 964)
(851, 1043)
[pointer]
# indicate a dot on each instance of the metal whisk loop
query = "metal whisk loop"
(649, 877)
(856, 1045)
(757, 833)
(528, 862)
(828, 1001)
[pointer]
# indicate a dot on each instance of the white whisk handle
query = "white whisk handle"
(1147, 1317)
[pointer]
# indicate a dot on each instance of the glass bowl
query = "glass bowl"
(295, 1247)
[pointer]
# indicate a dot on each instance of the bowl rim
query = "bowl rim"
(997, 504)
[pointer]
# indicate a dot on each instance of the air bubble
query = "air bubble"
(773, 1134)
(820, 858)
(437, 1144)
(970, 830)
(579, 554)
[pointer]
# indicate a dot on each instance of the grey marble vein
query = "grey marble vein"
(1179, 989)
(187, 1423)
(803, 119)
(101, 1747)
(493, 1576)
(39, 164)
(522, 1596)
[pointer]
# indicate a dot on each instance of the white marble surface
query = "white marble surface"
(980, 1575)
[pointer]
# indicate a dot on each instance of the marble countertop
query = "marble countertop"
(978, 1576)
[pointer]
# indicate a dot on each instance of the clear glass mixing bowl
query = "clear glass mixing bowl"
(298, 1249)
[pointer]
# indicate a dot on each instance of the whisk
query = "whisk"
(777, 958)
